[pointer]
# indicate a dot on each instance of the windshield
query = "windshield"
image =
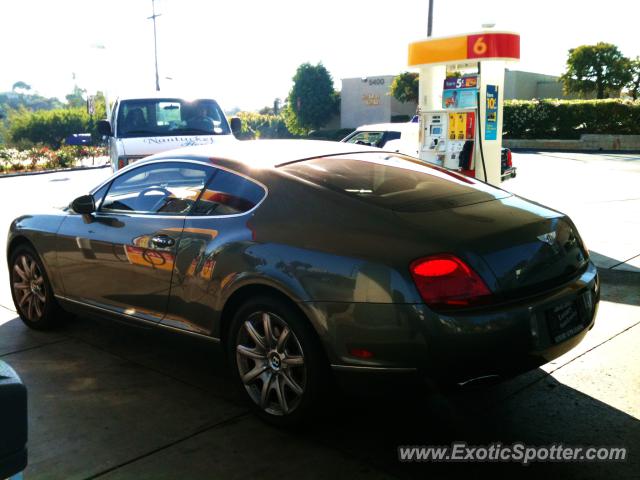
(159, 117)
(395, 182)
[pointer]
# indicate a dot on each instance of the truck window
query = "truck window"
(170, 116)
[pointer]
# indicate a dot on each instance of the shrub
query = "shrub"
(568, 119)
(256, 125)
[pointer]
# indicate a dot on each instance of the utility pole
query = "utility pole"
(155, 40)
(430, 20)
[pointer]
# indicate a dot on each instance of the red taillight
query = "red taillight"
(446, 281)
(509, 163)
(121, 163)
(360, 353)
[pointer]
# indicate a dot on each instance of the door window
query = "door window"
(169, 188)
(228, 194)
(373, 139)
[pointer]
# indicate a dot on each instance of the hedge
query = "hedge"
(49, 127)
(257, 125)
(568, 119)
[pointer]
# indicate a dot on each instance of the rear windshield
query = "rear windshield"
(170, 116)
(394, 182)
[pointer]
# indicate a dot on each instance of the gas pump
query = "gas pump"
(460, 101)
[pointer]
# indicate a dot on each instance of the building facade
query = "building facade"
(368, 100)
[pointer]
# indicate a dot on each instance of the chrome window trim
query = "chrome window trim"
(181, 160)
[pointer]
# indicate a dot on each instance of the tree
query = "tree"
(599, 68)
(25, 87)
(404, 87)
(634, 85)
(76, 98)
(312, 101)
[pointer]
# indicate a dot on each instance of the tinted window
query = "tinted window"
(162, 188)
(391, 136)
(394, 181)
(228, 194)
(373, 139)
(162, 117)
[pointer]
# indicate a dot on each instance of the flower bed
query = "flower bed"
(44, 158)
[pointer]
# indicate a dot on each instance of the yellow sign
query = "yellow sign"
(370, 99)
(461, 125)
(452, 126)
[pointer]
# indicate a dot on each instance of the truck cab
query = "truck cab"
(144, 125)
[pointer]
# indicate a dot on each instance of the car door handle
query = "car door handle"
(162, 241)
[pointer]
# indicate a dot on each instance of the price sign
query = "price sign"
(491, 113)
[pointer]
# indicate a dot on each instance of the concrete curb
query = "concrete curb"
(559, 150)
(620, 277)
(61, 170)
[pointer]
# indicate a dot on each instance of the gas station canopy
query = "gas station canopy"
(462, 48)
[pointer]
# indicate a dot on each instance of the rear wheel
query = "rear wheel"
(31, 290)
(277, 361)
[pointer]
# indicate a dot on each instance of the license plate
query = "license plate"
(564, 321)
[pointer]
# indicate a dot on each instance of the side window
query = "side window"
(391, 136)
(98, 195)
(169, 188)
(228, 194)
(367, 138)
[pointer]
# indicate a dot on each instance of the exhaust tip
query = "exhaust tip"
(480, 381)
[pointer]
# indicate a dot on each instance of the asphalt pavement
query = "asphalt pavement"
(113, 401)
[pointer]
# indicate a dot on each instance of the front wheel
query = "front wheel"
(277, 360)
(31, 290)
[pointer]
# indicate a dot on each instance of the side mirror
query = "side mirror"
(84, 205)
(236, 125)
(104, 128)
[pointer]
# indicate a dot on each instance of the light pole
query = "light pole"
(430, 20)
(155, 40)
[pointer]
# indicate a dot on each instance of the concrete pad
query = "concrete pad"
(15, 336)
(194, 361)
(632, 265)
(90, 410)
(607, 376)
(246, 449)
(612, 319)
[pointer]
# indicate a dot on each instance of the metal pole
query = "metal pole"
(155, 41)
(430, 21)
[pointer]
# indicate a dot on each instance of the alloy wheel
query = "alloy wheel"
(28, 287)
(271, 363)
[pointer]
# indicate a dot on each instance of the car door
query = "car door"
(121, 258)
(212, 249)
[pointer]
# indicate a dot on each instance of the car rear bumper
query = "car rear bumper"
(412, 341)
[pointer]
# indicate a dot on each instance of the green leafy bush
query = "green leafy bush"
(256, 125)
(568, 119)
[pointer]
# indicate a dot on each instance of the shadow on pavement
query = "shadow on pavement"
(533, 408)
(619, 286)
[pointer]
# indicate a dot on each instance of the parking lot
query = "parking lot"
(113, 401)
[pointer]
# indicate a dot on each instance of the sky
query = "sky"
(245, 52)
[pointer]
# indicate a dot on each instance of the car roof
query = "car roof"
(161, 95)
(385, 127)
(262, 153)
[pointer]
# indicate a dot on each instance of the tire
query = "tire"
(31, 290)
(285, 378)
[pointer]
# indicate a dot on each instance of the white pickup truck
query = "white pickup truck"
(144, 125)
